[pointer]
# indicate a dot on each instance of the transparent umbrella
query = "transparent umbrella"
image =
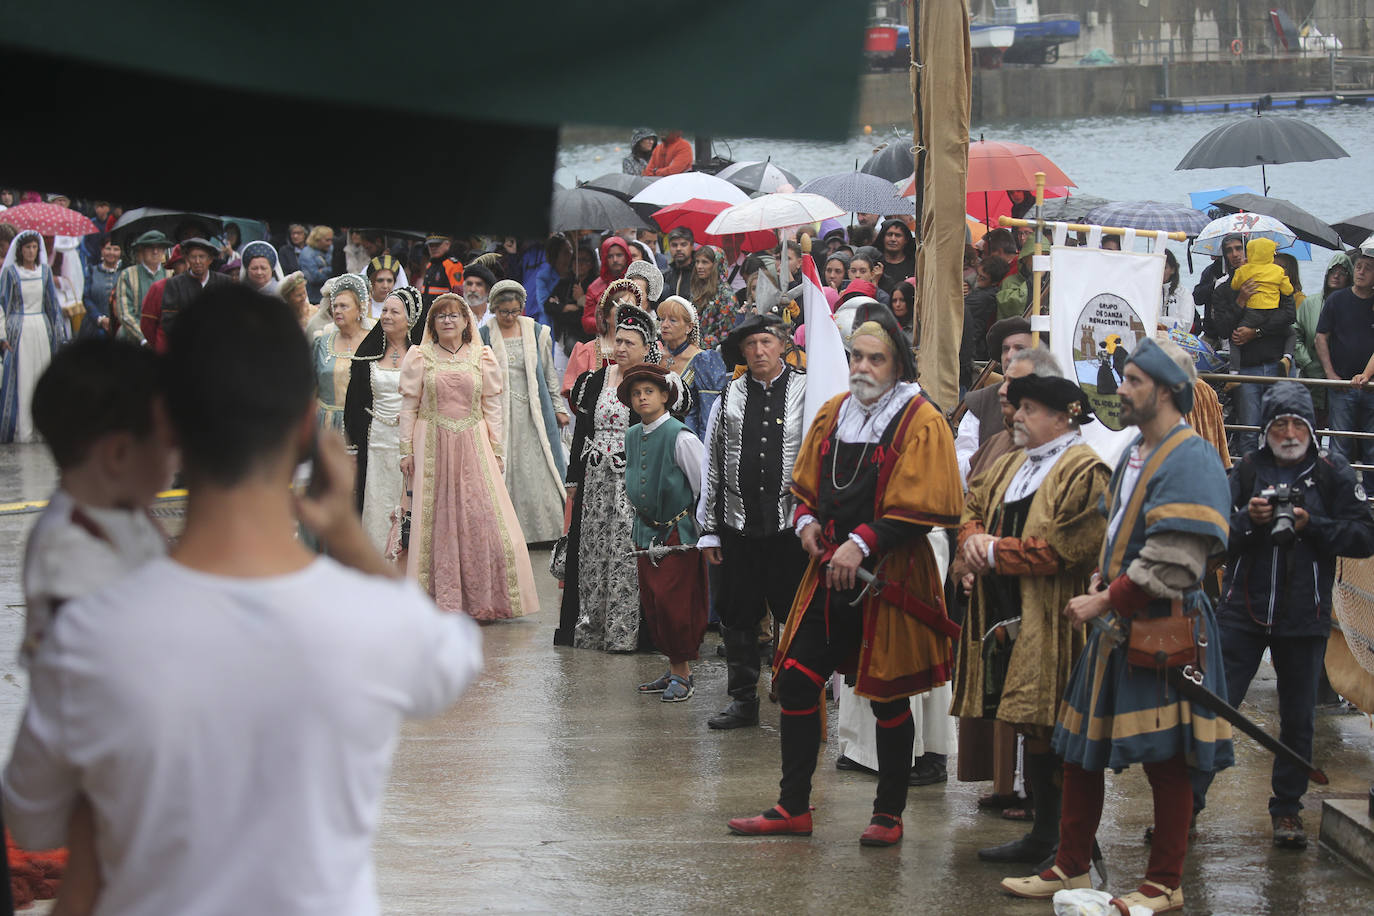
(758, 176)
(775, 211)
(1247, 225)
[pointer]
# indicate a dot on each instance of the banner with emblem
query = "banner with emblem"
(1102, 304)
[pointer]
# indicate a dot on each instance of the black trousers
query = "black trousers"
(830, 632)
(756, 576)
(1298, 662)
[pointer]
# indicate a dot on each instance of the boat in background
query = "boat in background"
(887, 42)
(1011, 31)
(1037, 37)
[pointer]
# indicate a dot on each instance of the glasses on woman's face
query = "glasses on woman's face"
(447, 318)
(508, 313)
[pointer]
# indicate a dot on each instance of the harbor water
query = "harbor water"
(1123, 157)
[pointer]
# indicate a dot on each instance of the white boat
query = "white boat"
(1000, 37)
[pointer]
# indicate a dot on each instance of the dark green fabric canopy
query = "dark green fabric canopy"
(443, 115)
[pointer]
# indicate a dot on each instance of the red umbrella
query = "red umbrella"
(994, 166)
(987, 206)
(697, 213)
(48, 220)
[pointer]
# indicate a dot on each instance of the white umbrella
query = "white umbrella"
(1248, 225)
(774, 211)
(675, 189)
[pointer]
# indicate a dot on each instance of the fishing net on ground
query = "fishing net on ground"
(1350, 650)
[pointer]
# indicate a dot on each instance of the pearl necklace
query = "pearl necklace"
(346, 354)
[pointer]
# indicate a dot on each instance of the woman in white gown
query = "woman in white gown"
(372, 409)
(532, 413)
(32, 330)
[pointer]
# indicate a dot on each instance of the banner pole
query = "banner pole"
(1083, 227)
(1035, 256)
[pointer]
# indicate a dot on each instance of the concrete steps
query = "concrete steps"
(1348, 830)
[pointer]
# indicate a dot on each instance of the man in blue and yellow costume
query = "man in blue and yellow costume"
(1167, 519)
(875, 474)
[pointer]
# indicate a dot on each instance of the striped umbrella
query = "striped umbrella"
(1149, 214)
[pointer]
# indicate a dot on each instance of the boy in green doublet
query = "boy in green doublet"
(663, 481)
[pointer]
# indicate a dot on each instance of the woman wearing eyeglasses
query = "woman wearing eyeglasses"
(532, 413)
(465, 546)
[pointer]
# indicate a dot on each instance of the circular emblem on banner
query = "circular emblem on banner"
(1104, 337)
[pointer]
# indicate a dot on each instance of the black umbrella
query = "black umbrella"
(1356, 229)
(1304, 225)
(893, 162)
(138, 221)
(1261, 141)
(618, 184)
(583, 208)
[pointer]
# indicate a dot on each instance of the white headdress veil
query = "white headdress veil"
(12, 256)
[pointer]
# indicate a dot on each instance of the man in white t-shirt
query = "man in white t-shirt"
(231, 710)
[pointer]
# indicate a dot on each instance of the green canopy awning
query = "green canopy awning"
(443, 116)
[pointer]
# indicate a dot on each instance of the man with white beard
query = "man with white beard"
(1277, 590)
(876, 473)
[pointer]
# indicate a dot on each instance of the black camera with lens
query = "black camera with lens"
(1284, 498)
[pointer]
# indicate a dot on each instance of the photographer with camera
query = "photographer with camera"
(1294, 510)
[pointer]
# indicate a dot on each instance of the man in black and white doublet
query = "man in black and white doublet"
(752, 440)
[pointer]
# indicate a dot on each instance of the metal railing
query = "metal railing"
(1224, 378)
(1158, 50)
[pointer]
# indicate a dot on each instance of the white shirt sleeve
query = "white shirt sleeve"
(448, 655)
(688, 452)
(966, 443)
(41, 784)
(706, 540)
(859, 542)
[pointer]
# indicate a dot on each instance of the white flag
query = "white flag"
(827, 366)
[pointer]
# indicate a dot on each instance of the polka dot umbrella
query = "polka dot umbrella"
(48, 220)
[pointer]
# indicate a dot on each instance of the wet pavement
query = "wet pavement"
(552, 787)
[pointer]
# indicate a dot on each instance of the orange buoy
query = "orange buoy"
(1237, 47)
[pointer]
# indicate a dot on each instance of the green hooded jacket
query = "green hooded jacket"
(1309, 310)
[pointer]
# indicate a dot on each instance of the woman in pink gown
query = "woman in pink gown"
(466, 548)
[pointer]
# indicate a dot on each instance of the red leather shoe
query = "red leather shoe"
(883, 830)
(762, 825)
